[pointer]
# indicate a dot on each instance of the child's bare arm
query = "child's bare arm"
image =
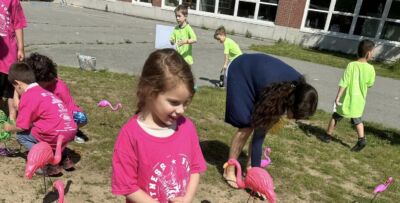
(140, 197)
(339, 95)
(12, 128)
(16, 99)
(19, 33)
(190, 191)
(226, 61)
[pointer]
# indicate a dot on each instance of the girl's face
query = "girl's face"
(180, 18)
(168, 106)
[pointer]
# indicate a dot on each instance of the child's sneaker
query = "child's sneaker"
(79, 140)
(326, 138)
(52, 171)
(68, 164)
(360, 145)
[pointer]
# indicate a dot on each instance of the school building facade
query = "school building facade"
(325, 24)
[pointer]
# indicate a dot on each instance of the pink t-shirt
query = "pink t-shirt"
(161, 167)
(45, 115)
(60, 89)
(11, 18)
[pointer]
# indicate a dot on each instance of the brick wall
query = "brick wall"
(290, 13)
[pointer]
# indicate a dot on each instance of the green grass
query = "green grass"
(335, 59)
(303, 168)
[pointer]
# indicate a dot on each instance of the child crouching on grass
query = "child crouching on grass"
(157, 155)
(46, 76)
(42, 117)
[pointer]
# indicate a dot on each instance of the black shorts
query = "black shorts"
(6, 88)
(354, 121)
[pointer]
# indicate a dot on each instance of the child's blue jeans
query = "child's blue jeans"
(26, 139)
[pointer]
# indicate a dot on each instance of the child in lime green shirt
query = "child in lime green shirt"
(351, 97)
(183, 35)
(231, 51)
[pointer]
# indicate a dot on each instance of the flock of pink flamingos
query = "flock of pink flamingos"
(258, 180)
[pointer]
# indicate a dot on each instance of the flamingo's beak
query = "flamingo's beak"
(226, 165)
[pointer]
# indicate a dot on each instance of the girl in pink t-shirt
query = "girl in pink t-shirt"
(46, 75)
(12, 22)
(157, 155)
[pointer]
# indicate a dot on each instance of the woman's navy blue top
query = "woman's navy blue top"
(247, 76)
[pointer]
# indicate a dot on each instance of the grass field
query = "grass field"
(304, 168)
(335, 59)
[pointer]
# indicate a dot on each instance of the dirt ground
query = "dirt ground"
(84, 184)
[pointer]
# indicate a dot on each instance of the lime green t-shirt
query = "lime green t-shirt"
(231, 49)
(357, 78)
(184, 33)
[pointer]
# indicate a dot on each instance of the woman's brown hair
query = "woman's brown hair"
(298, 97)
(163, 70)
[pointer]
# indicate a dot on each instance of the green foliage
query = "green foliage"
(331, 58)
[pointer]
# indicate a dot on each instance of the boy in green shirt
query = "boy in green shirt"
(231, 50)
(351, 97)
(183, 35)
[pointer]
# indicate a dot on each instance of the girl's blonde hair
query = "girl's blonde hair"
(162, 71)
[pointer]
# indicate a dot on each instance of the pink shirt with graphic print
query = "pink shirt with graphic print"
(45, 115)
(11, 18)
(161, 167)
(60, 89)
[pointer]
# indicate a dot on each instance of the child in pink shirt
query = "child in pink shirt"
(157, 155)
(46, 76)
(42, 117)
(12, 22)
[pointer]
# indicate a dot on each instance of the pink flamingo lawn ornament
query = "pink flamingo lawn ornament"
(40, 155)
(257, 180)
(59, 186)
(382, 187)
(105, 103)
(265, 162)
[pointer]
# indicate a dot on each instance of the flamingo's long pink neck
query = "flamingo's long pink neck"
(59, 186)
(239, 179)
(57, 156)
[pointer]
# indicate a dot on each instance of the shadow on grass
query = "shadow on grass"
(319, 133)
(390, 135)
(74, 155)
(214, 82)
(53, 195)
(216, 153)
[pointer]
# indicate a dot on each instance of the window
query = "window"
(372, 8)
(267, 10)
(379, 19)
(347, 6)
(395, 10)
(246, 9)
(316, 20)
(226, 7)
(340, 23)
(391, 31)
(391, 28)
(320, 4)
(142, 1)
(173, 3)
(207, 6)
(262, 10)
(190, 3)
